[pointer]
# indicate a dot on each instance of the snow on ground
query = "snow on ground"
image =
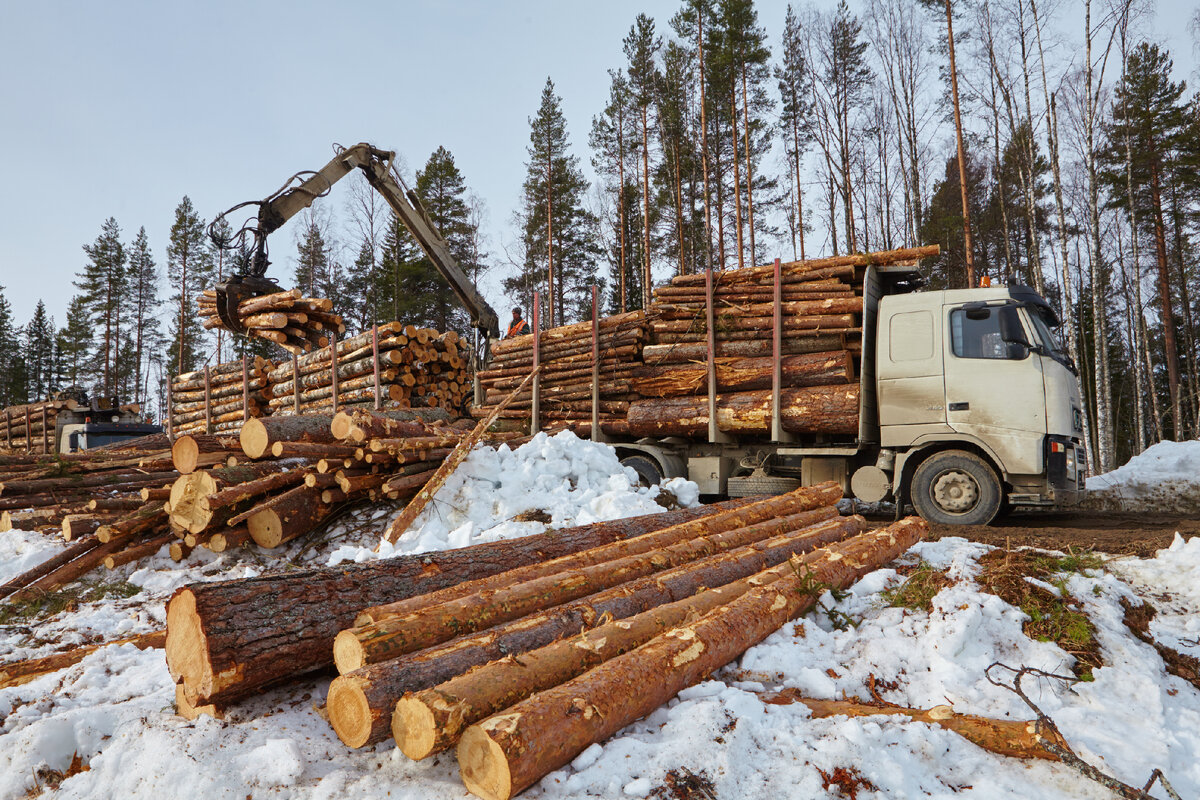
(1163, 478)
(114, 709)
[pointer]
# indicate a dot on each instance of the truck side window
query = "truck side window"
(976, 334)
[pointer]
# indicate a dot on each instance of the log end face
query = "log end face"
(186, 646)
(266, 528)
(185, 454)
(254, 438)
(348, 653)
(349, 711)
(414, 728)
(483, 765)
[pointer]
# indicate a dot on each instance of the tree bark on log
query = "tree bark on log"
(228, 639)
(360, 424)
(816, 409)
(504, 754)
(742, 374)
(788, 268)
(361, 702)
(430, 622)
(48, 566)
(284, 521)
(259, 433)
(22, 672)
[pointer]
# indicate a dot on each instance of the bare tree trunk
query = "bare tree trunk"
(549, 234)
(796, 167)
(1134, 345)
(832, 208)
(962, 164)
(621, 203)
(645, 208)
(708, 232)
(737, 181)
(749, 164)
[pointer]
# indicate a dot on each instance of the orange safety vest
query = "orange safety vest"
(516, 329)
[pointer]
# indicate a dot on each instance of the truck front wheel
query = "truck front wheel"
(954, 487)
(647, 469)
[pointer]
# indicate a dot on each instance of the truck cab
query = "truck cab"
(978, 405)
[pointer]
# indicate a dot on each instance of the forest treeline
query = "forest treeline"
(720, 144)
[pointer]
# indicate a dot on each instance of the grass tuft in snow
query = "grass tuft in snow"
(68, 598)
(1018, 577)
(919, 588)
(1079, 561)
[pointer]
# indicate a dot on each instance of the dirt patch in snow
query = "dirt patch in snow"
(1138, 619)
(1139, 535)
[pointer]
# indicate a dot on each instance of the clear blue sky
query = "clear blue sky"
(120, 108)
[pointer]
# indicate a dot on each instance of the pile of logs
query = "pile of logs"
(568, 357)
(522, 652)
(219, 399)
(417, 368)
(295, 323)
(31, 427)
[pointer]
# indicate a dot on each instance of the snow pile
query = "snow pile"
(1164, 478)
(550, 481)
(21, 551)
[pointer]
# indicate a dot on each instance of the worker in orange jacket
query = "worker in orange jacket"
(517, 327)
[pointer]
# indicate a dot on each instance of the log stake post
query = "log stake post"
(207, 399)
(45, 434)
(597, 434)
(536, 405)
(778, 434)
(245, 391)
(28, 434)
(333, 354)
(295, 384)
(170, 413)
(8, 424)
(715, 434)
(375, 363)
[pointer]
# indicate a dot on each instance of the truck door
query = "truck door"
(994, 384)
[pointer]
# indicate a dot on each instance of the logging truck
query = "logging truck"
(71, 422)
(967, 404)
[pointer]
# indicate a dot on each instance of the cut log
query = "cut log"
(35, 573)
(360, 702)
(228, 639)
(221, 541)
(187, 452)
(140, 550)
(302, 512)
(258, 434)
(741, 374)
(22, 672)
(506, 753)
(815, 409)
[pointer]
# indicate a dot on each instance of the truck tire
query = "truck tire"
(649, 473)
(753, 485)
(954, 487)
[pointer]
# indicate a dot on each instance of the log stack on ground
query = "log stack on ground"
(225, 402)
(29, 428)
(294, 322)
(418, 368)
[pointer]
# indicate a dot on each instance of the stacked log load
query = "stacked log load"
(290, 320)
(22, 427)
(522, 651)
(418, 368)
(565, 358)
(654, 368)
(227, 401)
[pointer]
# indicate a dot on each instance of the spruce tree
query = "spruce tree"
(73, 342)
(426, 299)
(611, 139)
(312, 259)
(103, 283)
(38, 348)
(189, 273)
(558, 233)
(146, 333)
(9, 351)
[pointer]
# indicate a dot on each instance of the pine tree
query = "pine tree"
(847, 75)
(793, 76)
(312, 259)
(103, 283)
(610, 139)
(221, 260)
(189, 273)
(641, 47)
(38, 348)
(146, 334)
(73, 342)
(678, 176)
(558, 233)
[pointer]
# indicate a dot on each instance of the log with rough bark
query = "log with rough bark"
(39, 571)
(258, 434)
(815, 409)
(228, 639)
(138, 551)
(505, 753)
(192, 451)
(765, 273)
(360, 702)
(433, 624)
(22, 672)
(301, 318)
(299, 514)
(742, 374)
(1007, 737)
(190, 507)
(359, 425)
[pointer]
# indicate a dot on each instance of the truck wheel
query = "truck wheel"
(649, 473)
(956, 488)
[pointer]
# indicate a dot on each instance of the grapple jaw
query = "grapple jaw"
(232, 292)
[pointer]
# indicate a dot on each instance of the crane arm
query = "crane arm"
(376, 165)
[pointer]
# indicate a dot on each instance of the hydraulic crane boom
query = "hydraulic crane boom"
(376, 165)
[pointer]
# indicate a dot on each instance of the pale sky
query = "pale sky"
(120, 108)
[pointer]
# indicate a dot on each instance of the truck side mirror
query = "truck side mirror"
(1013, 334)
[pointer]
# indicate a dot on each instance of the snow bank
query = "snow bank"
(550, 481)
(1164, 478)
